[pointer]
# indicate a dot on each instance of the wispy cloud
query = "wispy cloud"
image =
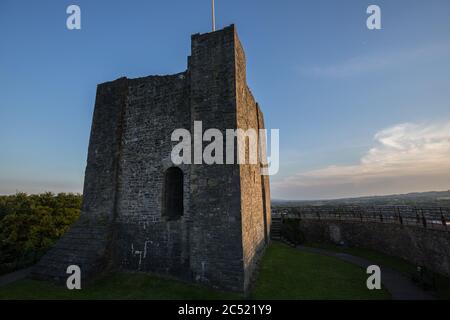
(376, 61)
(408, 152)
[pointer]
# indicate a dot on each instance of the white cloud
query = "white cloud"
(408, 156)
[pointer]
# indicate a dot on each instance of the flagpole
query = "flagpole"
(213, 17)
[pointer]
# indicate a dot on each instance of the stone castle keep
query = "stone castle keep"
(202, 223)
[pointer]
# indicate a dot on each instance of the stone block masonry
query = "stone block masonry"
(419, 246)
(201, 223)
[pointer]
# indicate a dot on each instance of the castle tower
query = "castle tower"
(198, 222)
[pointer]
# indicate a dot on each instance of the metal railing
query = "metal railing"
(426, 217)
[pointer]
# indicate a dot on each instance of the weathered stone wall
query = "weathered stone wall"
(253, 210)
(265, 182)
(216, 244)
(156, 106)
(224, 226)
(430, 248)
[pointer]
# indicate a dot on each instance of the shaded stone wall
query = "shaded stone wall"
(156, 106)
(430, 248)
(216, 243)
(224, 225)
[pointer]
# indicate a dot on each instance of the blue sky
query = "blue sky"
(360, 112)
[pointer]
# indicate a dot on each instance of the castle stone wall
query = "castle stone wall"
(223, 230)
(156, 106)
(216, 242)
(254, 215)
(265, 181)
(420, 246)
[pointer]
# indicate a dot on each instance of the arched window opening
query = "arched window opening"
(173, 194)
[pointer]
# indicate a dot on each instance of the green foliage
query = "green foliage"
(30, 224)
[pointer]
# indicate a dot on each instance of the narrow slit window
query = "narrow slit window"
(173, 194)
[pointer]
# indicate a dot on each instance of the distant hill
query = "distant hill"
(422, 199)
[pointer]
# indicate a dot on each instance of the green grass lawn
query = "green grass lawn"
(115, 286)
(398, 264)
(285, 273)
(288, 273)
